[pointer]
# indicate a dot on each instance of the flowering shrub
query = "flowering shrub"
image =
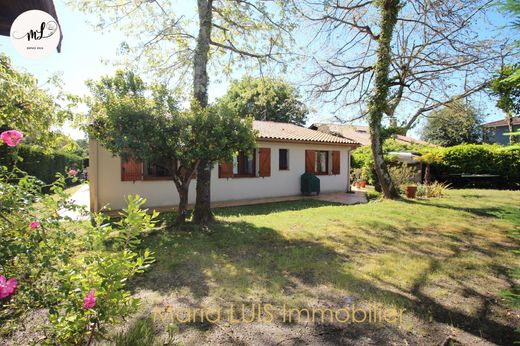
(75, 270)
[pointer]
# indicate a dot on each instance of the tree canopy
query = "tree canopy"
(139, 121)
(266, 99)
(26, 106)
(457, 123)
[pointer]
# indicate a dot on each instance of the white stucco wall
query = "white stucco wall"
(112, 191)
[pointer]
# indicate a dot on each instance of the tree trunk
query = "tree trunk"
(182, 209)
(427, 174)
(509, 120)
(378, 104)
(202, 213)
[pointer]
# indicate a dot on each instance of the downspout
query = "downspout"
(93, 173)
(349, 189)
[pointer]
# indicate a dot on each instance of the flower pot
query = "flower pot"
(362, 184)
(411, 191)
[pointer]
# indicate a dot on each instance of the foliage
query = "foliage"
(512, 7)
(457, 123)
(40, 163)
(242, 35)
(130, 124)
(362, 156)
(507, 89)
(26, 106)
(481, 159)
(74, 258)
(402, 174)
(266, 99)
(432, 190)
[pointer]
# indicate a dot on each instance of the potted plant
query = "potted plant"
(356, 176)
(410, 190)
(363, 177)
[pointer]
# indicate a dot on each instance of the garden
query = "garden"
(431, 258)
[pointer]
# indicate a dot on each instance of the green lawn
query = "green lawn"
(445, 261)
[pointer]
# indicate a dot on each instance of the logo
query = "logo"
(35, 34)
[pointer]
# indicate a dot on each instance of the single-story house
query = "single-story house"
(284, 152)
(494, 132)
(359, 133)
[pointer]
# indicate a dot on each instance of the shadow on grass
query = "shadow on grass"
(269, 208)
(239, 256)
(484, 212)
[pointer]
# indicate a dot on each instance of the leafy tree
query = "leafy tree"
(378, 105)
(512, 7)
(454, 124)
(228, 34)
(436, 56)
(266, 99)
(506, 86)
(143, 122)
(26, 106)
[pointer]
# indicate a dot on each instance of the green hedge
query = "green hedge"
(39, 163)
(464, 158)
(481, 159)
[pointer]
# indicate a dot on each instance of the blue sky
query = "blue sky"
(84, 49)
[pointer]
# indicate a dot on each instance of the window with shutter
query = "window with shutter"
(336, 162)
(264, 155)
(310, 161)
(225, 170)
(131, 170)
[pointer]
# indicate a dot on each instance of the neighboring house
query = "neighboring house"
(284, 152)
(359, 133)
(494, 132)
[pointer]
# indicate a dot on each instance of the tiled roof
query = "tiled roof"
(290, 132)
(498, 123)
(360, 133)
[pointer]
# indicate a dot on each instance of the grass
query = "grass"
(445, 261)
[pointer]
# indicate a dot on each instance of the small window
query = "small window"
(157, 171)
(322, 162)
(283, 159)
(244, 165)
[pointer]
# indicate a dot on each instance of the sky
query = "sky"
(84, 51)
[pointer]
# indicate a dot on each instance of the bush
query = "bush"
(456, 160)
(433, 190)
(402, 174)
(362, 156)
(480, 159)
(39, 163)
(76, 271)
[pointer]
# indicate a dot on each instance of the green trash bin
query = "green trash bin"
(309, 184)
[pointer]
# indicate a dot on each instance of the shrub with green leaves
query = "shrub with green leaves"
(40, 163)
(481, 159)
(76, 271)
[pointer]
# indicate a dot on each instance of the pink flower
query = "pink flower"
(35, 224)
(11, 137)
(73, 172)
(89, 301)
(7, 287)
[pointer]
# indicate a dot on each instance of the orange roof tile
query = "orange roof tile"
(290, 132)
(360, 133)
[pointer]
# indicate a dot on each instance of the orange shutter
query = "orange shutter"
(310, 161)
(336, 162)
(131, 170)
(225, 170)
(265, 162)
